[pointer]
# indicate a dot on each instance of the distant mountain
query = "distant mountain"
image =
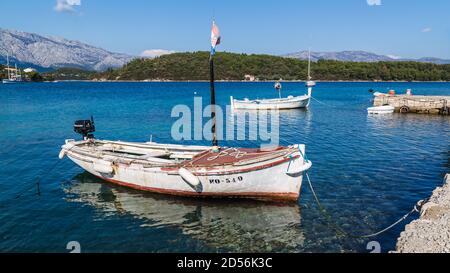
(433, 60)
(359, 56)
(44, 53)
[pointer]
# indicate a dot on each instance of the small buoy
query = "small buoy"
(404, 109)
(277, 85)
(188, 177)
(62, 154)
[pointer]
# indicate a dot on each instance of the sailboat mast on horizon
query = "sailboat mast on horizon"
(7, 65)
(309, 64)
(14, 77)
(309, 83)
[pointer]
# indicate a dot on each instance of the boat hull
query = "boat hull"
(269, 180)
(381, 110)
(6, 81)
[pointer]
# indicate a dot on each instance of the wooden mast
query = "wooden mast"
(309, 64)
(7, 65)
(215, 40)
(215, 143)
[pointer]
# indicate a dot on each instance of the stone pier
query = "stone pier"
(430, 233)
(416, 104)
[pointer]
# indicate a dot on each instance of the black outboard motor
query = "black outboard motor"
(85, 128)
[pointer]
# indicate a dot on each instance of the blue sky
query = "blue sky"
(406, 28)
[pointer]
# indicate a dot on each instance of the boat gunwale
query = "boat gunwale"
(275, 100)
(270, 160)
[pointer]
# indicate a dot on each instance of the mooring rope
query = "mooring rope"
(333, 106)
(416, 208)
(324, 212)
(323, 103)
(37, 185)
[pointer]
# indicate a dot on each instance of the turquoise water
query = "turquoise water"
(368, 171)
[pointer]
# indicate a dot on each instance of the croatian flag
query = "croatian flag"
(215, 37)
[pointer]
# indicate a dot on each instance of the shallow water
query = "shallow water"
(367, 170)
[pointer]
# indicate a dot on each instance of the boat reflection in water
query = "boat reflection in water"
(295, 118)
(228, 225)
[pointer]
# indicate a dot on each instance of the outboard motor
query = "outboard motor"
(85, 128)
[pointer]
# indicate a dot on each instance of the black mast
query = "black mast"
(213, 100)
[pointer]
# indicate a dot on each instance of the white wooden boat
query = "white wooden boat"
(197, 171)
(290, 102)
(385, 109)
(194, 170)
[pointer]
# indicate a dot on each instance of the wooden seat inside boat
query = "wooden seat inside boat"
(135, 152)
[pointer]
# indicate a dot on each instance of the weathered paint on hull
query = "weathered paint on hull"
(265, 182)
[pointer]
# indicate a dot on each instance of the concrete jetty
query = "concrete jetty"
(415, 104)
(430, 233)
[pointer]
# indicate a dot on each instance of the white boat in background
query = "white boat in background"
(379, 94)
(290, 102)
(14, 74)
(385, 109)
(197, 171)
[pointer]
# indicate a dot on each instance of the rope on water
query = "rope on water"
(323, 103)
(37, 185)
(416, 208)
(333, 106)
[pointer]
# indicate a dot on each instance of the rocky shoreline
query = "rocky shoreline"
(430, 233)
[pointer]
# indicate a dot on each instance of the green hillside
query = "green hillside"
(232, 66)
(70, 74)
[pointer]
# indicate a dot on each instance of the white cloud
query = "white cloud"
(374, 2)
(427, 29)
(153, 53)
(67, 5)
(395, 57)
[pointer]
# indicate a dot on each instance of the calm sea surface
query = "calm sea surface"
(368, 171)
